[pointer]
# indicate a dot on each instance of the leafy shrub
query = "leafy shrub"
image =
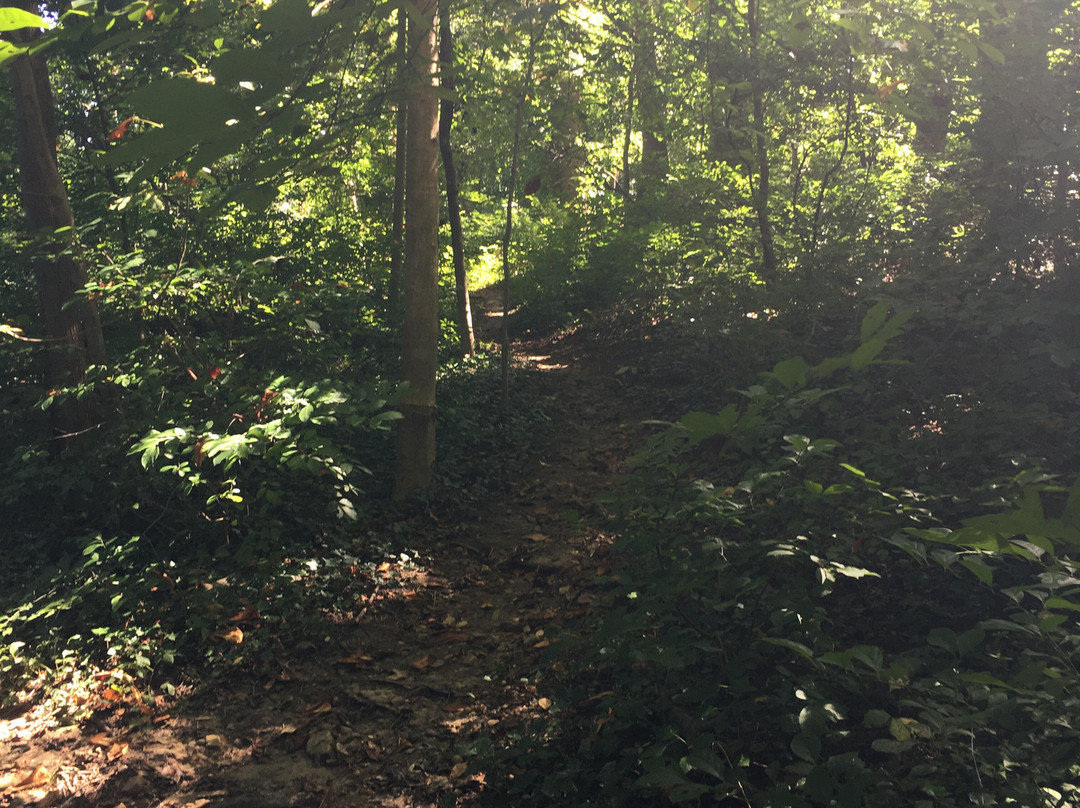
(746, 660)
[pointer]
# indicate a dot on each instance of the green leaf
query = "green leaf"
(791, 645)
(990, 52)
(977, 567)
(891, 747)
(704, 425)
(873, 320)
(807, 746)
(791, 373)
(13, 19)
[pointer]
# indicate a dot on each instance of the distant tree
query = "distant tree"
(466, 339)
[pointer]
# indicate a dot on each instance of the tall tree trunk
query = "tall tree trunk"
(70, 322)
(397, 228)
(652, 110)
(761, 148)
(420, 276)
(508, 230)
(457, 238)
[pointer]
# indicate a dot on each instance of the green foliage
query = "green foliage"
(780, 632)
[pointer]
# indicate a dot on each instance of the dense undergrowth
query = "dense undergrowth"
(849, 581)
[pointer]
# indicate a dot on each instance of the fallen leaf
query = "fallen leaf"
(101, 739)
(536, 537)
(117, 750)
(323, 706)
(421, 664)
(448, 637)
(38, 777)
(356, 658)
(458, 770)
(234, 635)
(247, 615)
(545, 703)
(112, 694)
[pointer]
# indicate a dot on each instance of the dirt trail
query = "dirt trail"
(435, 651)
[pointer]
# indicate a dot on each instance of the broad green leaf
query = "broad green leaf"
(14, 19)
(977, 567)
(1061, 603)
(9, 52)
(791, 373)
(791, 645)
(873, 320)
(704, 425)
(990, 52)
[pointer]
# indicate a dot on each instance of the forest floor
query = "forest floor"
(431, 652)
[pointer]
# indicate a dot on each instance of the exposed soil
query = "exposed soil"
(434, 652)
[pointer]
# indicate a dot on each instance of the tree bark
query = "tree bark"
(652, 112)
(508, 229)
(397, 227)
(420, 270)
(761, 149)
(70, 322)
(466, 338)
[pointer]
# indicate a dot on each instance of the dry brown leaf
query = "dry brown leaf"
(33, 779)
(234, 635)
(458, 770)
(448, 637)
(422, 663)
(112, 694)
(356, 658)
(101, 739)
(247, 615)
(536, 537)
(323, 706)
(117, 750)
(545, 703)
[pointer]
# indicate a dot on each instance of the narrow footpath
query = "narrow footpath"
(431, 653)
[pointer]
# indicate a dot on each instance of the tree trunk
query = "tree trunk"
(652, 112)
(457, 238)
(70, 322)
(508, 230)
(420, 271)
(397, 228)
(761, 150)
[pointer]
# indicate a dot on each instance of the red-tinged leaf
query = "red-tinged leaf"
(121, 130)
(247, 615)
(112, 694)
(149, 14)
(215, 372)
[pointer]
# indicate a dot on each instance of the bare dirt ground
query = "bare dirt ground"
(434, 652)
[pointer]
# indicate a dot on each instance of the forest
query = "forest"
(428, 403)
